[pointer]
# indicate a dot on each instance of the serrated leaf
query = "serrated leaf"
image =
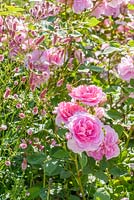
(36, 158)
(119, 129)
(101, 194)
(102, 176)
(52, 168)
(65, 174)
(61, 154)
(114, 114)
(116, 171)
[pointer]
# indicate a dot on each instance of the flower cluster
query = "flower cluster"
(86, 131)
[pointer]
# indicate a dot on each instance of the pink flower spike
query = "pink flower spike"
(22, 115)
(7, 163)
(1, 58)
(23, 146)
(7, 93)
(35, 110)
(24, 164)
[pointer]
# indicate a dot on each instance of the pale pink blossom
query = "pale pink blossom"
(109, 147)
(22, 115)
(1, 57)
(65, 110)
(7, 93)
(44, 10)
(36, 60)
(126, 68)
(7, 163)
(30, 131)
(23, 145)
(87, 134)
(80, 56)
(18, 105)
(99, 112)
(24, 164)
(60, 82)
(36, 80)
(81, 5)
(35, 110)
(90, 95)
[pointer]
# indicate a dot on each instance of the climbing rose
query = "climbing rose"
(126, 68)
(90, 95)
(87, 134)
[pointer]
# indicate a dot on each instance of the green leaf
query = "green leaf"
(43, 194)
(116, 171)
(83, 160)
(114, 114)
(65, 174)
(36, 158)
(132, 82)
(34, 192)
(52, 168)
(131, 43)
(101, 194)
(96, 69)
(61, 154)
(93, 22)
(102, 176)
(119, 129)
(109, 50)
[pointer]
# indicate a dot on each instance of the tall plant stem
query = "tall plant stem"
(79, 179)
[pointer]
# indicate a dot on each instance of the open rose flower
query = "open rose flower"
(87, 134)
(65, 110)
(126, 68)
(90, 95)
(81, 5)
(109, 148)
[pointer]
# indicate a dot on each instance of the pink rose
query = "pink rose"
(126, 68)
(87, 134)
(90, 95)
(65, 110)
(109, 147)
(81, 5)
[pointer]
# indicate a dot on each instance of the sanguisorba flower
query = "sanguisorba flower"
(65, 110)
(109, 148)
(86, 130)
(126, 68)
(90, 95)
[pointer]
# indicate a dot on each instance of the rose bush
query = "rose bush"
(67, 100)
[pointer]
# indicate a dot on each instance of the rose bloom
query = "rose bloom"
(65, 110)
(126, 68)
(90, 95)
(81, 5)
(109, 147)
(87, 134)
